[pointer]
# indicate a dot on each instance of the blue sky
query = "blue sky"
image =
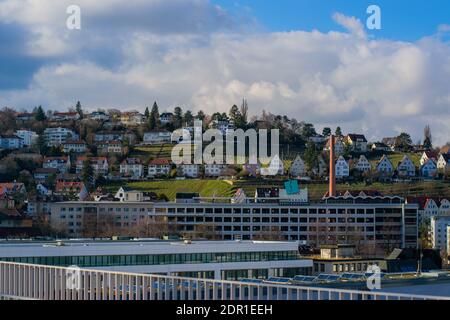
(210, 54)
(401, 20)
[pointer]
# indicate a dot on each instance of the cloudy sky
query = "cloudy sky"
(312, 60)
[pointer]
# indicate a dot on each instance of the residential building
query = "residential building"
(429, 169)
(224, 126)
(157, 137)
(24, 116)
(189, 170)
(99, 116)
(363, 165)
(159, 168)
(317, 139)
(298, 168)
(44, 174)
(65, 116)
(276, 167)
(13, 223)
(391, 143)
(76, 146)
(132, 167)
(29, 137)
(12, 188)
(166, 118)
(342, 168)
(357, 142)
(57, 136)
(443, 163)
(43, 190)
(71, 190)
(219, 260)
(254, 170)
(438, 232)
(125, 194)
(98, 164)
(381, 147)
(385, 167)
(106, 136)
(215, 170)
(132, 118)
(428, 155)
(110, 147)
(10, 142)
(406, 168)
(62, 164)
(339, 146)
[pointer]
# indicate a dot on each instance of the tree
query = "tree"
(40, 114)
(307, 131)
(87, 173)
(79, 110)
(338, 132)
(244, 113)
(177, 118)
(428, 139)
(311, 155)
(188, 118)
(201, 115)
(403, 142)
(147, 113)
(154, 117)
(326, 132)
(41, 145)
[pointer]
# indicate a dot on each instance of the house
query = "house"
(157, 137)
(13, 223)
(342, 168)
(24, 116)
(357, 142)
(76, 146)
(438, 231)
(57, 136)
(62, 164)
(43, 190)
(44, 174)
(298, 168)
(125, 194)
(318, 139)
(98, 164)
(106, 136)
(189, 170)
(99, 116)
(132, 118)
(390, 142)
(132, 167)
(72, 190)
(363, 165)
(429, 169)
(215, 170)
(276, 167)
(253, 170)
(339, 146)
(159, 168)
(166, 118)
(428, 155)
(10, 142)
(29, 137)
(65, 116)
(380, 147)
(224, 126)
(406, 167)
(110, 147)
(12, 188)
(443, 163)
(384, 166)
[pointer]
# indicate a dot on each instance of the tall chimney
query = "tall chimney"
(332, 179)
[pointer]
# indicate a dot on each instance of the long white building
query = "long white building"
(225, 260)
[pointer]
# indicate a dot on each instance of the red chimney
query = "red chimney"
(332, 187)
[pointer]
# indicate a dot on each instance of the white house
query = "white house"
(406, 167)
(10, 142)
(384, 166)
(339, 146)
(158, 168)
(43, 174)
(62, 164)
(125, 194)
(110, 147)
(65, 116)
(342, 168)
(165, 118)
(276, 167)
(298, 167)
(443, 163)
(57, 136)
(43, 190)
(429, 169)
(77, 146)
(157, 137)
(189, 170)
(214, 170)
(29, 137)
(379, 146)
(98, 164)
(69, 188)
(428, 155)
(357, 142)
(438, 233)
(224, 126)
(131, 167)
(99, 116)
(132, 118)
(363, 165)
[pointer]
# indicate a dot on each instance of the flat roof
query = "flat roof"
(138, 247)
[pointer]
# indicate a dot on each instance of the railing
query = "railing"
(28, 281)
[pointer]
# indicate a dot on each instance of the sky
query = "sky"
(315, 61)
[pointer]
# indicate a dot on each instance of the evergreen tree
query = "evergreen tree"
(178, 118)
(428, 139)
(40, 114)
(201, 115)
(244, 113)
(338, 132)
(41, 145)
(87, 172)
(326, 132)
(79, 110)
(188, 118)
(154, 116)
(147, 113)
(311, 155)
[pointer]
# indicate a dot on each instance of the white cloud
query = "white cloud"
(377, 87)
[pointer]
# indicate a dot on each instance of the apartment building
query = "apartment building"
(57, 136)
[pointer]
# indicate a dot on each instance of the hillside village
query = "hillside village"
(76, 155)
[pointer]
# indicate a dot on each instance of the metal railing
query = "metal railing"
(39, 282)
